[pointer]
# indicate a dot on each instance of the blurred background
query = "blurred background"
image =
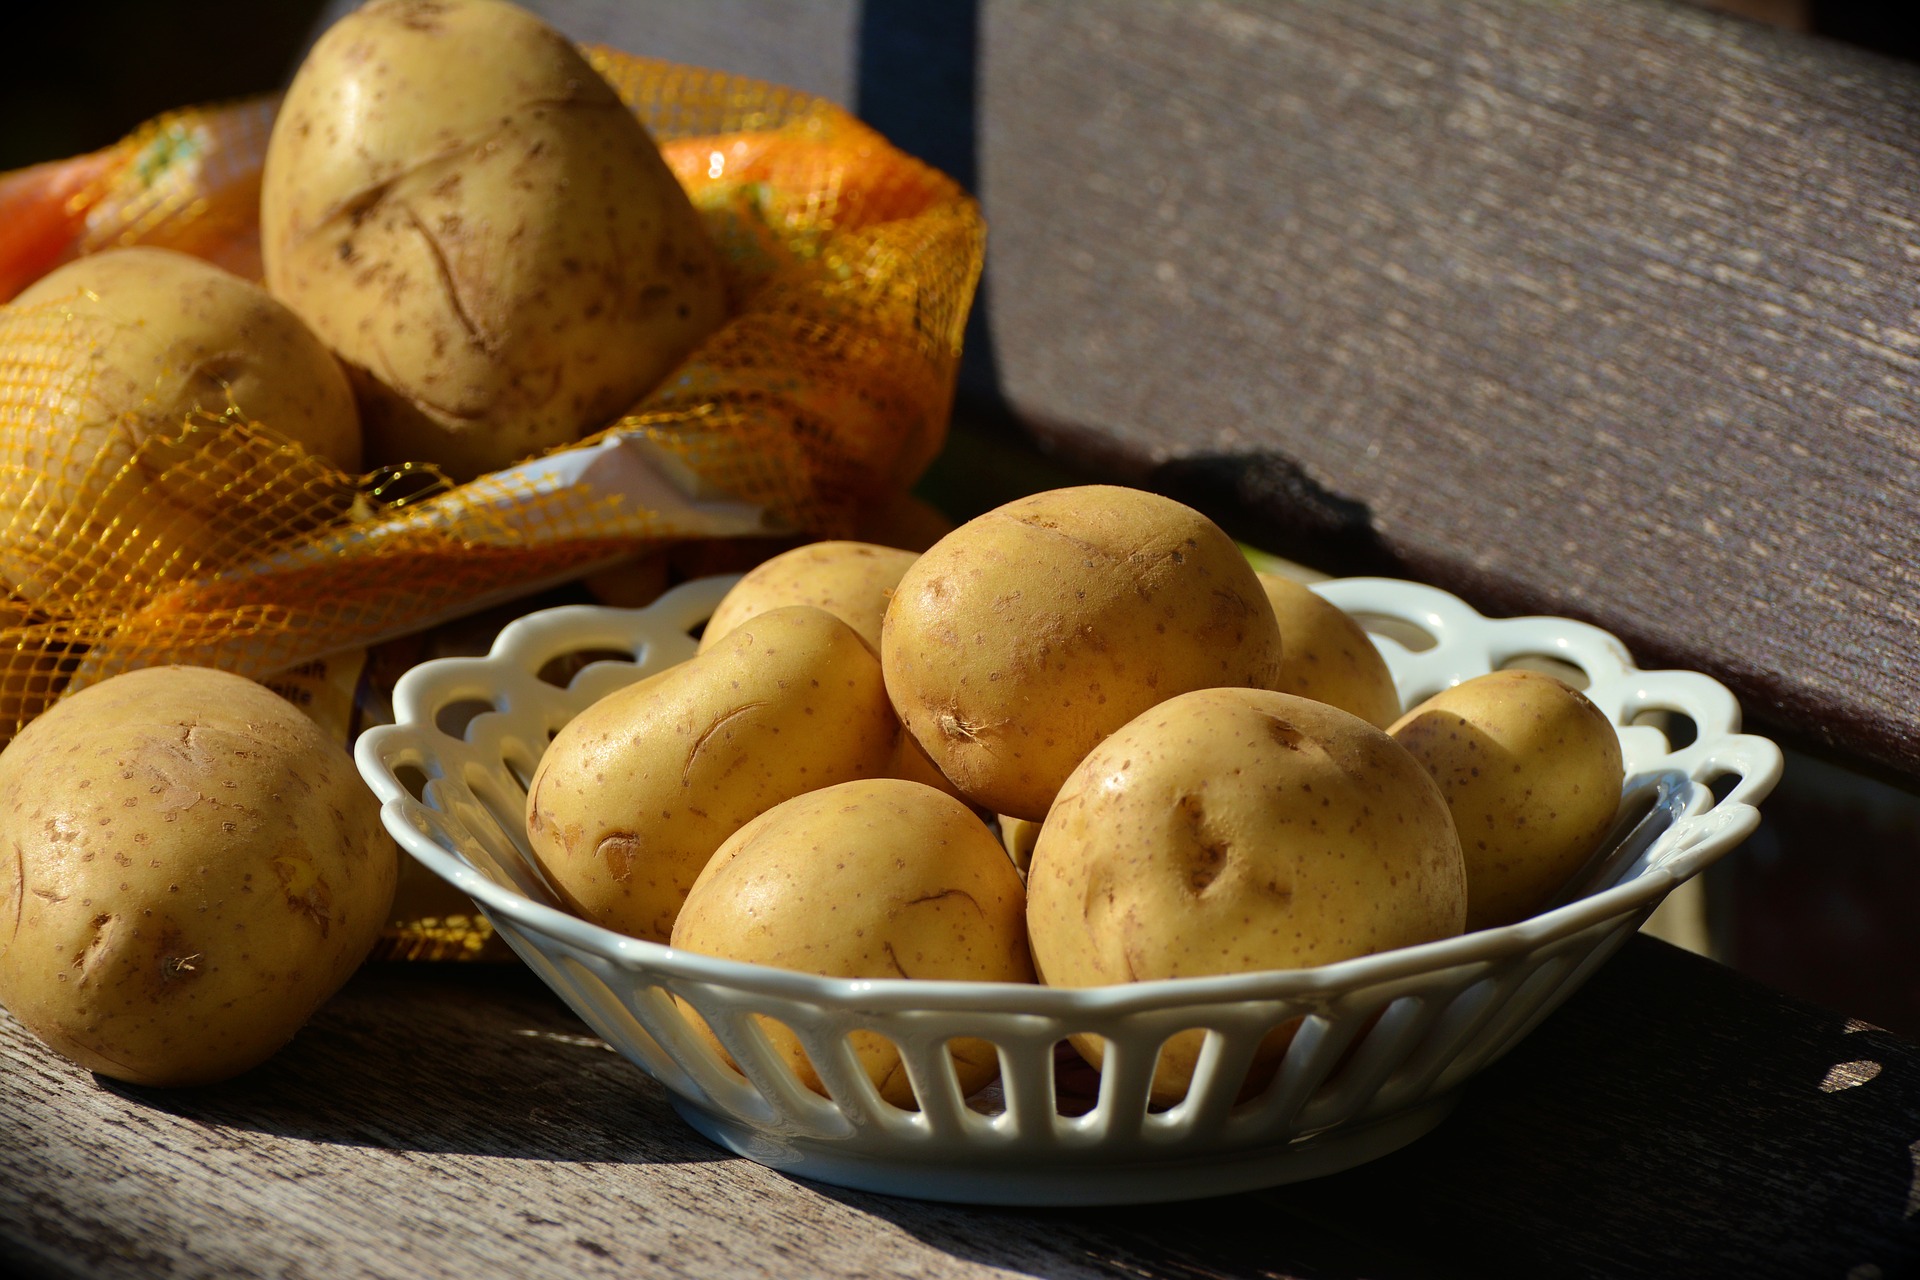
(92, 72)
(1818, 904)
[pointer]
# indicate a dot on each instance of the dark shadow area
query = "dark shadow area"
(918, 83)
(1268, 501)
(474, 1059)
(1668, 1121)
(1871, 24)
(89, 74)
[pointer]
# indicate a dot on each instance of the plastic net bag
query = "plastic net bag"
(850, 268)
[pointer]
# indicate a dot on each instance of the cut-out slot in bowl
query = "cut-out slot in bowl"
(1375, 1049)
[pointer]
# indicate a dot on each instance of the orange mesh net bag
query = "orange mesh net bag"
(850, 268)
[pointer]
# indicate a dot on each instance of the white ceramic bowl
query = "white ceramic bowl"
(1386, 1043)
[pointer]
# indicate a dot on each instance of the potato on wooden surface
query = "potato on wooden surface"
(1532, 772)
(195, 868)
(148, 338)
(463, 208)
(1327, 656)
(853, 581)
(637, 791)
(1020, 640)
(873, 879)
(1229, 830)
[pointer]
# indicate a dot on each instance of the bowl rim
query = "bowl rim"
(1717, 828)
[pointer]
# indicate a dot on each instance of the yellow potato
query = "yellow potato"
(1229, 830)
(1021, 639)
(912, 763)
(147, 338)
(853, 581)
(1019, 836)
(637, 791)
(1532, 772)
(463, 208)
(874, 879)
(1327, 656)
(195, 868)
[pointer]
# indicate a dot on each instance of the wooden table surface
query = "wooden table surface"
(1672, 1119)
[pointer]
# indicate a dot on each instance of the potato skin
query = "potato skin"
(853, 581)
(1327, 656)
(1230, 830)
(1019, 641)
(466, 212)
(192, 868)
(151, 337)
(1533, 774)
(636, 792)
(872, 879)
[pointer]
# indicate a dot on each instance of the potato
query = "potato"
(149, 338)
(1018, 835)
(196, 867)
(1021, 639)
(461, 206)
(1532, 772)
(872, 879)
(636, 792)
(1229, 830)
(1326, 655)
(853, 581)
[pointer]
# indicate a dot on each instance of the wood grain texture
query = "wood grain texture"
(1586, 307)
(1673, 1119)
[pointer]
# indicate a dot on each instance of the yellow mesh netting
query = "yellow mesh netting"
(850, 270)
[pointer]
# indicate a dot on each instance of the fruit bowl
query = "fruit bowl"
(1385, 1042)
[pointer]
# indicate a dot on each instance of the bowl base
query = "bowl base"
(1026, 1181)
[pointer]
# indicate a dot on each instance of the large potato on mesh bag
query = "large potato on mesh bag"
(461, 206)
(636, 792)
(871, 879)
(1328, 656)
(124, 347)
(1021, 639)
(1229, 830)
(1533, 773)
(194, 868)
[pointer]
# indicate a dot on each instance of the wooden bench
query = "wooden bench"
(1592, 308)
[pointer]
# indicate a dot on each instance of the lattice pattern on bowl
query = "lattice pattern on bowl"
(1384, 1041)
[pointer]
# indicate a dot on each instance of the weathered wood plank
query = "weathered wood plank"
(1586, 307)
(1672, 1119)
